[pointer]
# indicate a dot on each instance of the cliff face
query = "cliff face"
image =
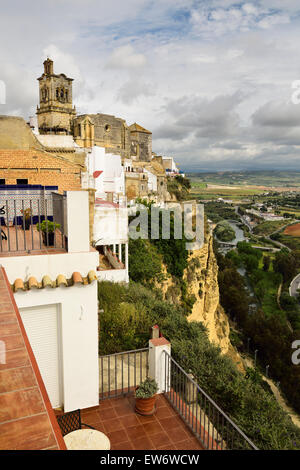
(201, 276)
(202, 279)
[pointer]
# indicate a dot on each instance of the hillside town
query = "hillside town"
(114, 331)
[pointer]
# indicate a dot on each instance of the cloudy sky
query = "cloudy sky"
(213, 80)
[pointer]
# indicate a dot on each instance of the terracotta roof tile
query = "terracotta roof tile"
(92, 276)
(77, 279)
(137, 128)
(18, 285)
(27, 421)
(47, 281)
(61, 280)
(32, 282)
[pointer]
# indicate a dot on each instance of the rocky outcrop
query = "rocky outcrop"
(201, 277)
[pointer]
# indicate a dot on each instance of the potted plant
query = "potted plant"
(47, 227)
(145, 396)
(26, 217)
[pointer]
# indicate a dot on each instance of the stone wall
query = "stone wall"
(136, 185)
(109, 132)
(141, 146)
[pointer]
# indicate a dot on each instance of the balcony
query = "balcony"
(127, 430)
(19, 219)
(185, 418)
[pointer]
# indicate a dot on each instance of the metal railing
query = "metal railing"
(122, 372)
(18, 224)
(214, 429)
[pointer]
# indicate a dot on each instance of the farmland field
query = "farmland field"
(293, 230)
(239, 186)
(270, 179)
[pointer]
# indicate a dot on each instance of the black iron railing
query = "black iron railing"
(214, 429)
(121, 373)
(27, 224)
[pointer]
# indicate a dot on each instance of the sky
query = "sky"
(215, 81)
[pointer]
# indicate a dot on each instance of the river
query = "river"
(239, 236)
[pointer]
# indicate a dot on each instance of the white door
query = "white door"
(42, 328)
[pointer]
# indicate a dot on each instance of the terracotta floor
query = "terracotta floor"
(129, 431)
(33, 242)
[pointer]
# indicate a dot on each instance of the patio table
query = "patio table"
(87, 439)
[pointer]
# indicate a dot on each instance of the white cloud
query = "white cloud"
(125, 57)
(211, 79)
(62, 61)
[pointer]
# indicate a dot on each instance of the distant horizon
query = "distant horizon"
(216, 82)
(248, 170)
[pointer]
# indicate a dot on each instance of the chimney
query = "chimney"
(155, 332)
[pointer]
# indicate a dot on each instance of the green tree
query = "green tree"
(144, 261)
(266, 263)
(285, 263)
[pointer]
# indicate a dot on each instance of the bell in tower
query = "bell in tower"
(55, 112)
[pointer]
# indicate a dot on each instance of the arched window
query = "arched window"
(44, 94)
(57, 93)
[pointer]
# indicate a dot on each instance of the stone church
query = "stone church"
(57, 115)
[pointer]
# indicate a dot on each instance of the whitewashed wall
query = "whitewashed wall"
(113, 275)
(110, 225)
(111, 180)
(79, 337)
(79, 317)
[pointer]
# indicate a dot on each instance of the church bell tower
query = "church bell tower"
(56, 112)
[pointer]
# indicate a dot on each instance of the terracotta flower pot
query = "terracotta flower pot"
(48, 241)
(145, 406)
(27, 224)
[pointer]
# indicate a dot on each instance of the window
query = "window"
(22, 181)
(2, 181)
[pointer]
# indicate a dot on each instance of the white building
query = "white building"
(152, 181)
(105, 174)
(55, 290)
(170, 167)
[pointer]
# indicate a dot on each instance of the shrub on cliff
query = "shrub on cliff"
(144, 261)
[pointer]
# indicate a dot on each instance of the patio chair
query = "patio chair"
(71, 421)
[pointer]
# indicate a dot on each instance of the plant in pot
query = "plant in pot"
(145, 396)
(26, 217)
(47, 227)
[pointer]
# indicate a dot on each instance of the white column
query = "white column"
(126, 262)
(159, 363)
(126, 255)
(120, 252)
(114, 248)
(77, 221)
